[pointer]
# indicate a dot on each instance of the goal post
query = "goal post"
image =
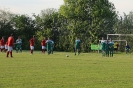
(99, 45)
(118, 35)
(119, 38)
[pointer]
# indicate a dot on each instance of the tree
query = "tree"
(47, 25)
(25, 27)
(6, 23)
(124, 26)
(88, 19)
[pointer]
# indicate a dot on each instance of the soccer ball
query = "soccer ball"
(67, 55)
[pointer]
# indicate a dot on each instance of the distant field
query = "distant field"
(88, 70)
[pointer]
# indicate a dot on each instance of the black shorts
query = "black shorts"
(115, 49)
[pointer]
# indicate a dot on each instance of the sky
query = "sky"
(35, 6)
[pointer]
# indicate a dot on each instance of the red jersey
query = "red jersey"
(43, 42)
(2, 42)
(32, 41)
(10, 41)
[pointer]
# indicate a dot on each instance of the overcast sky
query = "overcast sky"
(35, 6)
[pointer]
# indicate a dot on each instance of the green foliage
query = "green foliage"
(124, 26)
(89, 20)
(6, 23)
(25, 28)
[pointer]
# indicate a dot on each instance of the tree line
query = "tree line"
(87, 19)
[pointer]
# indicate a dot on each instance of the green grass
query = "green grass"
(88, 70)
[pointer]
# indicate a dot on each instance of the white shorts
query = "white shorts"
(6, 47)
(10, 48)
(43, 47)
(2, 47)
(32, 47)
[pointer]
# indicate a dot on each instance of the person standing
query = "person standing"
(52, 46)
(127, 48)
(18, 45)
(77, 46)
(48, 44)
(103, 44)
(32, 42)
(10, 43)
(2, 44)
(107, 48)
(111, 48)
(43, 43)
(116, 45)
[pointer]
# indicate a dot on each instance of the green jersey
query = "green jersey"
(77, 44)
(52, 44)
(48, 44)
(103, 44)
(111, 45)
(18, 43)
(107, 46)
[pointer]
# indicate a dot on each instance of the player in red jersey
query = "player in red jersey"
(32, 42)
(43, 43)
(10, 44)
(2, 44)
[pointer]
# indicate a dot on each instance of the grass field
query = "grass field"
(88, 70)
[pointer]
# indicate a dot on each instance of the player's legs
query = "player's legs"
(115, 50)
(2, 48)
(31, 49)
(75, 50)
(51, 50)
(20, 48)
(17, 49)
(103, 52)
(9, 51)
(43, 49)
(78, 50)
(107, 53)
(127, 51)
(48, 50)
(111, 53)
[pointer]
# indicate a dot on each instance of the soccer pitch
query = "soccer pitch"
(88, 70)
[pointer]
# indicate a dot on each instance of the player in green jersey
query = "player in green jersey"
(127, 48)
(107, 48)
(18, 45)
(52, 46)
(48, 45)
(111, 48)
(77, 46)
